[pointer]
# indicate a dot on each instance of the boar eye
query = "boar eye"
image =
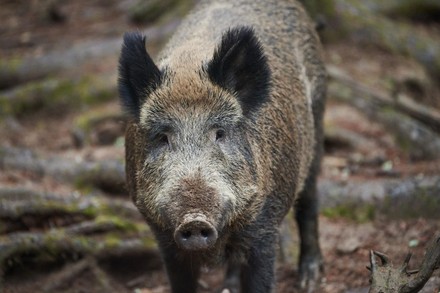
(162, 139)
(220, 135)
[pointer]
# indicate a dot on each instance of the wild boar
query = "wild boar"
(224, 137)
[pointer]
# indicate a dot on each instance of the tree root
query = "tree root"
(387, 278)
(66, 275)
(113, 228)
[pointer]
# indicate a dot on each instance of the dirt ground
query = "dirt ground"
(346, 242)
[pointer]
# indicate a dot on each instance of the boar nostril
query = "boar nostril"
(205, 233)
(186, 234)
(195, 235)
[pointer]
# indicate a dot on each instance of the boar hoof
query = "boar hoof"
(195, 235)
(310, 276)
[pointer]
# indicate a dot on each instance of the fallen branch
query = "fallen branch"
(57, 242)
(107, 175)
(17, 71)
(158, 10)
(387, 278)
(66, 275)
(413, 136)
(362, 21)
(427, 115)
(106, 235)
(24, 209)
(109, 228)
(57, 93)
(397, 37)
(28, 202)
(89, 128)
(394, 198)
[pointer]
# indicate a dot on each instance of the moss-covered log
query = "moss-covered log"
(40, 204)
(56, 243)
(99, 239)
(98, 126)
(156, 10)
(109, 228)
(55, 94)
(404, 198)
(426, 115)
(15, 71)
(364, 22)
(107, 175)
(397, 37)
(414, 137)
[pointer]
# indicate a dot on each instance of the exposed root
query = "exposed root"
(387, 278)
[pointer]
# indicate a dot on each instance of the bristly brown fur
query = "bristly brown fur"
(228, 125)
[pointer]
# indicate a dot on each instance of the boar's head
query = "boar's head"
(192, 143)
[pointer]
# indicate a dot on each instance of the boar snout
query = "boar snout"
(195, 233)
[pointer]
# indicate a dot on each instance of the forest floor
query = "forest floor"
(367, 155)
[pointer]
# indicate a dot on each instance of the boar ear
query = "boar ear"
(138, 75)
(240, 66)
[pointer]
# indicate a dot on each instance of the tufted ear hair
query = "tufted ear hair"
(240, 66)
(138, 75)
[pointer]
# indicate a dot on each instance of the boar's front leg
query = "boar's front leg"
(183, 273)
(257, 275)
(310, 261)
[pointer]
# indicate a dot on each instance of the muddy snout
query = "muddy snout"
(195, 233)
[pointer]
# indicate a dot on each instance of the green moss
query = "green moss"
(120, 223)
(149, 242)
(90, 211)
(112, 240)
(83, 186)
(319, 7)
(8, 66)
(358, 212)
(90, 118)
(53, 93)
(158, 11)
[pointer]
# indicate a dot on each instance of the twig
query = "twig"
(66, 275)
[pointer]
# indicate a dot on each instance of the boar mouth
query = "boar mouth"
(195, 233)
